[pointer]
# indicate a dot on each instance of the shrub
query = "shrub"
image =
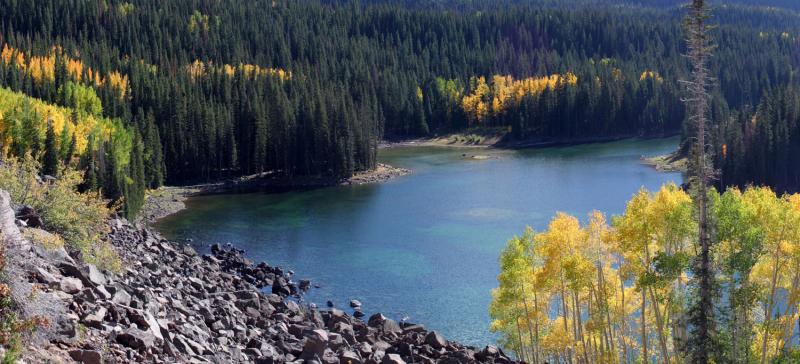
(79, 218)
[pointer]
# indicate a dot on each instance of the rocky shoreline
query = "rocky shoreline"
(168, 200)
(667, 163)
(170, 304)
(164, 201)
(381, 173)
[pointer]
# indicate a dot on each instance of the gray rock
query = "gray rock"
(349, 357)
(413, 328)
(392, 359)
(355, 303)
(90, 273)
(391, 326)
(435, 340)
(44, 276)
(136, 339)
(86, 356)
(376, 320)
(103, 292)
(121, 297)
(71, 285)
(316, 342)
(95, 319)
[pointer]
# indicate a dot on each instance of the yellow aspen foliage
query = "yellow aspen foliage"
(493, 99)
(651, 75)
(619, 293)
(198, 69)
(42, 68)
(11, 107)
(75, 69)
(117, 81)
(6, 54)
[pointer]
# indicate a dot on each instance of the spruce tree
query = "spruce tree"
(50, 157)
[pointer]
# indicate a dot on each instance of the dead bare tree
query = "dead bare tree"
(701, 343)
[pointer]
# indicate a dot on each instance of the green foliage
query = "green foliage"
(110, 152)
(625, 285)
(384, 70)
(761, 147)
(50, 158)
(82, 99)
(79, 218)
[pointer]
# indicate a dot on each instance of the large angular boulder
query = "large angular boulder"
(392, 359)
(136, 339)
(71, 285)
(435, 340)
(316, 342)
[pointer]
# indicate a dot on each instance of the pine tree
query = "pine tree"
(50, 158)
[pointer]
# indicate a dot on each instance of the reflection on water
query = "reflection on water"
(424, 245)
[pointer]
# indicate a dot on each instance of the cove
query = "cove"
(423, 246)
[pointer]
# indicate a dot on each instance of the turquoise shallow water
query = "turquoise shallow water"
(423, 246)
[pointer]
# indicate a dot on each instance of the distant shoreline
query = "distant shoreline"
(495, 139)
(168, 200)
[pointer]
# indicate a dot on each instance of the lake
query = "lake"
(423, 246)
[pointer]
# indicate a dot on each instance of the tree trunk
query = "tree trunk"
(520, 350)
(660, 325)
(790, 312)
(528, 321)
(645, 357)
(564, 311)
(623, 324)
(770, 304)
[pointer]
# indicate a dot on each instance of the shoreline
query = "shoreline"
(499, 141)
(666, 163)
(169, 200)
(172, 304)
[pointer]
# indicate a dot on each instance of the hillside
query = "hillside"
(219, 90)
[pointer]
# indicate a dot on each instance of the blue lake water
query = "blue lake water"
(423, 246)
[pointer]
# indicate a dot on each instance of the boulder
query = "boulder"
(392, 359)
(43, 276)
(355, 303)
(121, 297)
(376, 320)
(316, 342)
(136, 339)
(349, 357)
(391, 326)
(413, 328)
(95, 319)
(90, 274)
(281, 287)
(436, 340)
(86, 356)
(71, 285)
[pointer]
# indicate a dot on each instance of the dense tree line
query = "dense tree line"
(217, 89)
(761, 145)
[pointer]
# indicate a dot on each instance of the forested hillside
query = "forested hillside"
(761, 145)
(217, 89)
